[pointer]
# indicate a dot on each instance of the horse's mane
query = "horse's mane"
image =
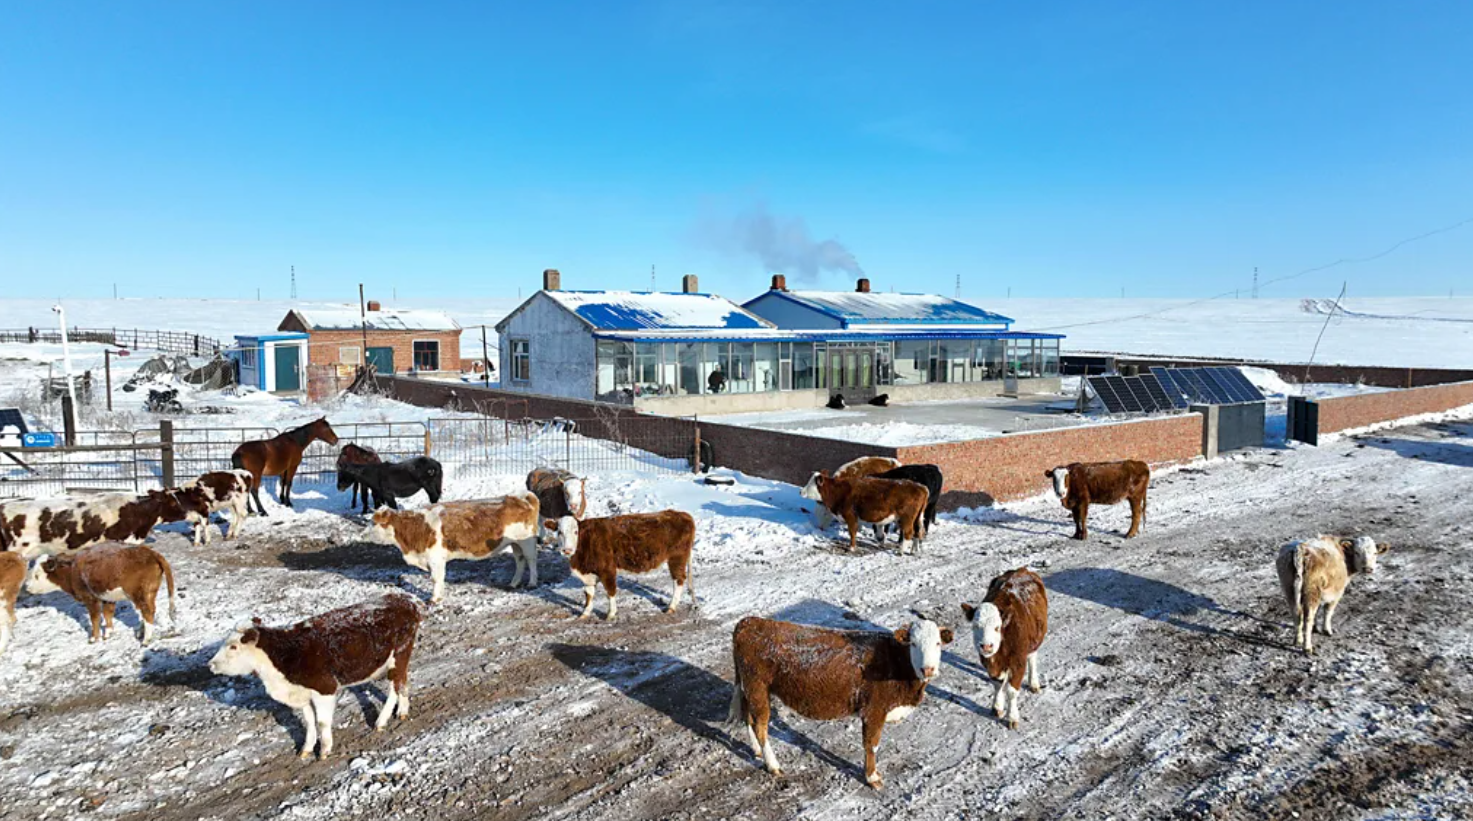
(302, 436)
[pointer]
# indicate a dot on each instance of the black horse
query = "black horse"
(390, 481)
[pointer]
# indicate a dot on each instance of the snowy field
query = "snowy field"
(1426, 332)
(1171, 689)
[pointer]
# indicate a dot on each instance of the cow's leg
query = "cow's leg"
(873, 726)
(759, 712)
(309, 741)
(588, 591)
(145, 607)
(391, 701)
(1137, 515)
(1330, 617)
(1311, 609)
(5, 627)
(108, 609)
(1015, 685)
(907, 536)
(879, 534)
(1081, 519)
(521, 563)
(1035, 679)
(437, 575)
(400, 678)
(323, 706)
(679, 573)
(529, 550)
(240, 508)
(1000, 698)
(94, 612)
(853, 525)
(611, 588)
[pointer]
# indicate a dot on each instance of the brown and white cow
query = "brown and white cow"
(35, 527)
(102, 575)
(222, 490)
(1316, 572)
(306, 665)
(853, 469)
(560, 493)
(12, 575)
(1008, 627)
(1081, 484)
(473, 530)
(831, 674)
(597, 549)
(879, 502)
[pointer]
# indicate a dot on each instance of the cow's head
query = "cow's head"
(1060, 477)
(573, 494)
(47, 576)
(1361, 553)
(240, 655)
(381, 527)
(564, 534)
(987, 624)
(925, 639)
(195, 500)
(165, 505)
(810, 490)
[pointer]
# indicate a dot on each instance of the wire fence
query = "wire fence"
(100, 460)
(176, 342)
(493, 447)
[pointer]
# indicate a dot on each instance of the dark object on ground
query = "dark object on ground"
(836, 402)
(881, 401)
(163, 401)
(390, 481)
(719, 480)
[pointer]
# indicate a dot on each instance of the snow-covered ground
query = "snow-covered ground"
(1171, 689)
(1400, 331)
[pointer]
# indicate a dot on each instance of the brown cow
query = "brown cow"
(1315, 572)
(221, 490)
(853, 469)
(638, 543)
(879, 502)
(1081, 484)
(12, 575)
(1008, 628)
(560, 493)
(306, 665)
(830, 674)
(102, 575)
(474, 530)
(35, 527)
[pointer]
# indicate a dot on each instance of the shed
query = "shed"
(398, 339)
(271, 362)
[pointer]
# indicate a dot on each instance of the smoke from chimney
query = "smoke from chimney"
(780, 243)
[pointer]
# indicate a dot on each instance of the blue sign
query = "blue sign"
(39, 440)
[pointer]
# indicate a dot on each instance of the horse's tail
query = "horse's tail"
(236, 461)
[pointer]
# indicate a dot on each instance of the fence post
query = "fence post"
(68, 421)
(696, 462)
(427, 440)
(166, 451)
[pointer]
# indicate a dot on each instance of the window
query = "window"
(248, 358)
(691, 380)
(352, 355)
(521, 360)
(803, 373)
(426, 354)
(765, 366)
(912, 362)
(615, 370)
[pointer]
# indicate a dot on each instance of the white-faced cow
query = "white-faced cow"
(1081, 484)
(560, 493)
(35, 527)
(878, 502)
(223, 490)
(1008, 627)
(853, 469)
(100, 576)
(1316, 572)
(831, 674)
(12, 575)
(473, 530)
(597, 549)
(306, 665)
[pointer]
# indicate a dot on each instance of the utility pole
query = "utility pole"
(363, 316)
(1255, 282)
(115, 290)
(66, 357)
(485, 359)
(294, 283)
(958, 286)
(652, 278)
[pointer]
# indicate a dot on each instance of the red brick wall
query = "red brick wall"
(1344, 412)
(1011, 467)
(785, 457)
(323, 347)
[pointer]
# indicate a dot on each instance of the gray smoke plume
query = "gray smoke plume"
(782, 244)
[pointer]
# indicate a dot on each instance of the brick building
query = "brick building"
(398, 340)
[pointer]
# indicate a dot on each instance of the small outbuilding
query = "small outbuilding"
(271, 362)
(398, 339)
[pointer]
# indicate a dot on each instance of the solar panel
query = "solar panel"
(1132, 394)
(1158, 393)
(1209, 386)
(1176, 393)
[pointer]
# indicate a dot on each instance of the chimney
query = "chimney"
(688, 284)
(373, 305)
(779, 282)
(552, 280)
(863, 286)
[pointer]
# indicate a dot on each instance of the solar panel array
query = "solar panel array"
(1208, 386)
(1132, 394)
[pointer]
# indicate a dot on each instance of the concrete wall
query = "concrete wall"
(562, 350)
(1345, 412)
(787, 314)
(720, 403)
(933, 391)
(1012, 466)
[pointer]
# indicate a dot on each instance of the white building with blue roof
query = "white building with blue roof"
(689, 352)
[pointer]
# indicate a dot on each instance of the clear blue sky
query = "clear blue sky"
(1069, 149)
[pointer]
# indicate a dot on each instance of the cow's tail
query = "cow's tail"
(738, 712)
(1299, 602)
(169, 579)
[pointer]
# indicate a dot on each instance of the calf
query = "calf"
(12, 575)
(830, 674)
(473, 530)
(559, 493)
(877, 501)
(863, 466)
(597, 549)
(221, 490)
(306, 665)
(1008, 628)
(102, 575)
(1315, 572)
(389, 481)
(350, 456)
(35, 527)
(1103, 483)
(928, 476)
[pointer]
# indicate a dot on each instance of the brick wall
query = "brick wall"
(980, 471)
(785, 457)
(323, 346)
(1384, 377)
(1344, 412)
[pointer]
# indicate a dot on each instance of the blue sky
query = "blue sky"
(1058, 149)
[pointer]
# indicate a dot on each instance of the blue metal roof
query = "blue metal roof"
(819, 336)
(856, 308)
(632, 311)
(279, 336)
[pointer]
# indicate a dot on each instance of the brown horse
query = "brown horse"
(279, 456)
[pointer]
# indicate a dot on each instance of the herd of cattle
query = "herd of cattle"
(91, 548)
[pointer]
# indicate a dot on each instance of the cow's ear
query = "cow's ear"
(1382, 547)
(947, 635)
(1049, 473)
(970, 610)
(903, 635)
(549, 524)
(1346, 544)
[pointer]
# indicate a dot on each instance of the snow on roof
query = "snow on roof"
(348, 318)
(873, 307)
(633, 310)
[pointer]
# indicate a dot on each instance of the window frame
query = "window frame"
(357, 351)
(414, 354)
(521, 361)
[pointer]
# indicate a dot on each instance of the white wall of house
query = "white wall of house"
(562, 350)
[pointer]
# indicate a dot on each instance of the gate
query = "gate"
(1303, 423)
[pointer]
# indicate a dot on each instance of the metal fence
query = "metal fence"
(488, 447)
(176, 342)
(101, 460)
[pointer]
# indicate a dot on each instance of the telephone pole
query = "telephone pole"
(958, 286)
(1255, 282)
(294, 282)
